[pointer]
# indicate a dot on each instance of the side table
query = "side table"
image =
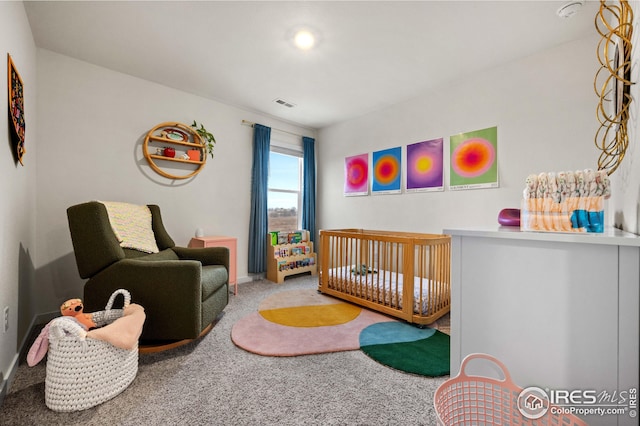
(221, 241)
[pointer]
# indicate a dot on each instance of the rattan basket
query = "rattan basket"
(475, 400)
(82, 373)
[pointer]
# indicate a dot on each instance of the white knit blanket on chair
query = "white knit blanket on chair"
(131, 225)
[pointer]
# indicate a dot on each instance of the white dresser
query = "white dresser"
(561, 311)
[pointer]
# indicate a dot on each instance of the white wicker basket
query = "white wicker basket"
(82, 373)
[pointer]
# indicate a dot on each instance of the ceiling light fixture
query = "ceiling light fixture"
(304, 40)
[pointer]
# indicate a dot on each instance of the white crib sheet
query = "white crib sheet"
(380, 287)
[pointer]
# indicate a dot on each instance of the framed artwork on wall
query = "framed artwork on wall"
(474, 159)
(356, 175)
(425, 166)
(387, 166)
(16, 110)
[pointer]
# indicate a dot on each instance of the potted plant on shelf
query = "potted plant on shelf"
(207, 137)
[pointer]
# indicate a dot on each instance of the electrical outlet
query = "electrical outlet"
(6, 319)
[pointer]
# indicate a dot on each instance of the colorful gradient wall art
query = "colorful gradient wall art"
(356, 175)
(474, 159)
(387, 171)
(425, 166)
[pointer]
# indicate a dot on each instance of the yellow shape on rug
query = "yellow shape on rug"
(313, 315)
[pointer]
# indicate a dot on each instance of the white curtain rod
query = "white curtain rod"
(250, 124)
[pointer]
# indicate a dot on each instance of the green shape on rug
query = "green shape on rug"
(393, 332)
(407, 351)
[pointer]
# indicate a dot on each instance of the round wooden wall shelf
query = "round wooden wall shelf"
(181, 140)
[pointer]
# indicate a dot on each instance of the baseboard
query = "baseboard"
(23, 350)
(38, 320)
(6, 383)
(251, 278)
(3, 390)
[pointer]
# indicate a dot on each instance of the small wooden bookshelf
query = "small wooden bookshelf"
(289, 253)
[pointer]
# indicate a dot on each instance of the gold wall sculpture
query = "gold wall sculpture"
(612, 83)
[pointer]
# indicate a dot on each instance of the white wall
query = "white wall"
(93, 122)
(543, 105)
(17, 185)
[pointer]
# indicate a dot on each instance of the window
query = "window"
(284, 198)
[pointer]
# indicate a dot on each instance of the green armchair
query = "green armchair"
(183, 290)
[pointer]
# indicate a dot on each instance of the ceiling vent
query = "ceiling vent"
(284, 103)
(569, 9)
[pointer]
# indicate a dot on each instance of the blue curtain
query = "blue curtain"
(259, 216)
(309, 186)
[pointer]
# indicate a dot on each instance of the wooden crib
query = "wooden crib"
(402, 274)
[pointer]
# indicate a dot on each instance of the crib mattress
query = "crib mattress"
(384, 287)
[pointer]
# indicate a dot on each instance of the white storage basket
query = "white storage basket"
(82, 373)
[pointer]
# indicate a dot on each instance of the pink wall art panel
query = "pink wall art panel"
(356, 175)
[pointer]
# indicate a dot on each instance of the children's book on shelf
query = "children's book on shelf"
(283, 265)
(283, 238)
(294, 237)
(289, 237)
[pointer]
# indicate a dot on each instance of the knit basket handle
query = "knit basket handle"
(498, 363)
(63, 326)
(107, 316)
(123, 292)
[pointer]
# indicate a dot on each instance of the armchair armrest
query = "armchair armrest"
(169, 291)
(206, 255)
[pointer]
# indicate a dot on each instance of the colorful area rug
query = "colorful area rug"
(407, 348)
(303, 322)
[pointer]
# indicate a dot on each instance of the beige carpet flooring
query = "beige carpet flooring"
(213, 382)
